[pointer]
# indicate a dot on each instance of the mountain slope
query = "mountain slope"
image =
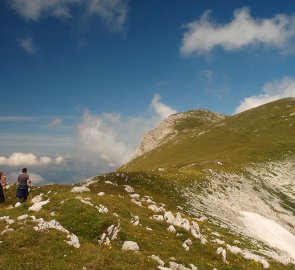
(261, 134)
(217, 194)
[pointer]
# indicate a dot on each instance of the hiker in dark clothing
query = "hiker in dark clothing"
(2, 184)
(23, 188)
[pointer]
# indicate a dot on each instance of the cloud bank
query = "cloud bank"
(29, 159)
(112, 12)
(270, 92)
(203, 35)
(113, 139)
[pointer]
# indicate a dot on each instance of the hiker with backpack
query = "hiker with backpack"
(2, 184)
(23, 185)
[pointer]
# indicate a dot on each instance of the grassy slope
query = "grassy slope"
(261, 134)
(25, 248)
(234, 141)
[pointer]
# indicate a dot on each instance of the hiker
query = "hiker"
(2, 184)
(23, 188)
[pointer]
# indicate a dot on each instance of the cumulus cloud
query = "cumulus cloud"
(55, 122)
(112, 12)
(29, 159)
(28, 45)
(270, 92)
(203, 35)
(113, 139)
(161, 109)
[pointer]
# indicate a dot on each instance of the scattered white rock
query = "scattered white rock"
(84, 200)
(193, 267)
(148, 229)
(52, 224)
(23, 217)
(38, 206)
(74, 241)
(102, 209)
(248, 255)
(109, 235)
(7, 230)
(7, 220)
(218, 241)
(100, 193)
(177, 266)
(221, 251)
(186, 244)
(80, 189)
(37, 199)
(52, 214)
(155, 208)
(171, 229)
(130, 246)
(110, 183)
(136, 202)
(115, 215)
(129, 189)
(135, 220)
(158, 260)
(158, 217)
(18, 204)
(135, 196)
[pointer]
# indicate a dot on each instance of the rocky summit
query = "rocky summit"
(203, 191)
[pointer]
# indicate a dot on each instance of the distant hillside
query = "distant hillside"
(175, 124)
(261, 134)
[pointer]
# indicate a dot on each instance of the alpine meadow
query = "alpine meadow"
(147, 135)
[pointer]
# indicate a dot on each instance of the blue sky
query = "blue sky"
(82, 81)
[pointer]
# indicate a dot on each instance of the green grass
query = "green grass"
(262, 134)
(26, 248)
(233, 141)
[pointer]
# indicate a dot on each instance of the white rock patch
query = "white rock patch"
(221, 251)
(53, 224)
(74, 241)
(270, 232)
(171, 229)
(38, 206)
(130, 246)
(158, 260)
(129, 189)
(18, 204)
(23, 217)
(37, 199)
(80, 189)
(109, 235)
(8, 220)
(248, 255)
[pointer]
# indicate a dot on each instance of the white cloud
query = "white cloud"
(203, 35)
(28, 45)
(270, 92)
(55, 122)
(112, 12)
(113, 139)
(29, 159)
(161, 109)
(17, 118)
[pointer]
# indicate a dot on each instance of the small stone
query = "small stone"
(130, 246)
